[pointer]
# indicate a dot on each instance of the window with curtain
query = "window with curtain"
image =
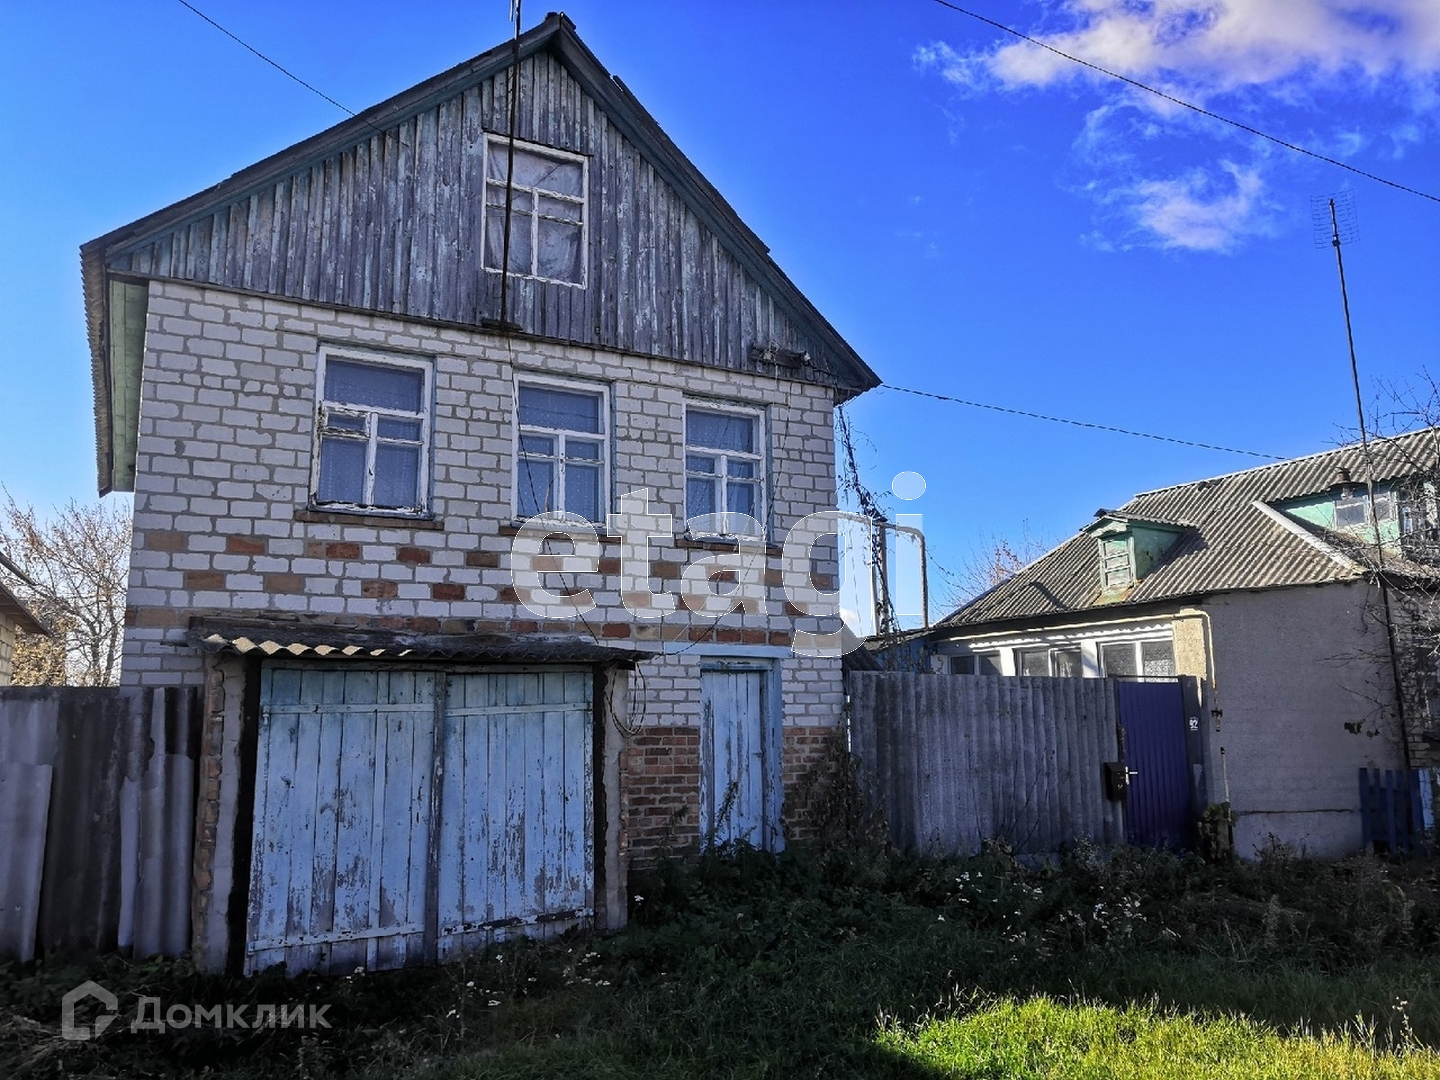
(547, 211)
(724, 471)
(373, 437)
(561, 457)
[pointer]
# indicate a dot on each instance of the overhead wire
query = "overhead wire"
(1077, 423)
(1186, 104)
(288, 73)
(278, 67)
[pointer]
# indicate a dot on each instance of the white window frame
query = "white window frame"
(1137, 646)
(499, 144)
(372, 413)
(603, 437)
(761, 457)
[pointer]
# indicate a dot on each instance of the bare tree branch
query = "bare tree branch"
(77, 564)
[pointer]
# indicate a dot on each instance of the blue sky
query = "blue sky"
(976, 216)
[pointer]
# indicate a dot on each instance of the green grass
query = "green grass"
(1105, 964)
(1044, 1039)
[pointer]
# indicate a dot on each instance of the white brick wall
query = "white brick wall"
(223, 470)
(7, 650)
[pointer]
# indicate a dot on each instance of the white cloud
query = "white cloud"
(1214, 45)
(1146, 159)
(1196, 213)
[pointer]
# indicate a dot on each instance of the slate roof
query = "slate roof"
(1236, 539)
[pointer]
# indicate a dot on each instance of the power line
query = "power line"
(1078, 423)
(1185, 104)
(283, 70)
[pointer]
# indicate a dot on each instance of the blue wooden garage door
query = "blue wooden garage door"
(382, 839)
(516, 808)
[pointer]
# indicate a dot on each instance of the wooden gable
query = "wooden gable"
(385, 213)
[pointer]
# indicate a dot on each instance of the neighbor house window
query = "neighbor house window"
(373, 436)
(547, 211)
(1117, 568)
(1350, 509)
(1062, 663)
(1149, 658)
(561, 461)
(725, 470)
(1032, 661)
(986, 663)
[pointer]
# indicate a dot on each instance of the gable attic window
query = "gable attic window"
(1117, 563)
(372, 439)
(547, 211)
(1129, 547)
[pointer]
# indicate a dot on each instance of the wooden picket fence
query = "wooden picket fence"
(1397, 811)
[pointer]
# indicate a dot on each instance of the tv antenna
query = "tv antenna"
(1335, 224)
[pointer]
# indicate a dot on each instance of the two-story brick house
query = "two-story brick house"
(338, 384)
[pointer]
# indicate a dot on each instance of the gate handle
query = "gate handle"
(1132, 772)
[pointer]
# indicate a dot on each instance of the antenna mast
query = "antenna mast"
(1340, 209)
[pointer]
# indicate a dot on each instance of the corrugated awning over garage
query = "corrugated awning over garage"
(323, 642)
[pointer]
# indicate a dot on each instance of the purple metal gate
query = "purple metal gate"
(1157, 801)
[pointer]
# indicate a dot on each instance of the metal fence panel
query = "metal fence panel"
(954, 760)
(97, 817)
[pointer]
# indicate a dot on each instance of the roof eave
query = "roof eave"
(92, 274)
(18, 613)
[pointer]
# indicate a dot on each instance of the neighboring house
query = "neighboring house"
(1262, 583)
(14, 620)
(335, 411)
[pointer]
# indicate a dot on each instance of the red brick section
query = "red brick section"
(444, 590)
(660, 788)
(378, 588)
(284, 583)
(660, 792)
(165, 540)
(204, 579)
(805, 751)
(342, 549)
(412, 556)
(488, 559)
(245, 545)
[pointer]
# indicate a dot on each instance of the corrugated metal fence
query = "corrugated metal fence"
(97, 817)
(957, 759)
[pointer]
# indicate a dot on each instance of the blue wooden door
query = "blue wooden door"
(1157, 803)
(342, 815)
(739, 740)
(516, 807)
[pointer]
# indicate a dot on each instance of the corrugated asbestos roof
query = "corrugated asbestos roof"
(325, 642)
(1236, 539)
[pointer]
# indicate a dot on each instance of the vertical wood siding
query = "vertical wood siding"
(958, 759)
(394, 225)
